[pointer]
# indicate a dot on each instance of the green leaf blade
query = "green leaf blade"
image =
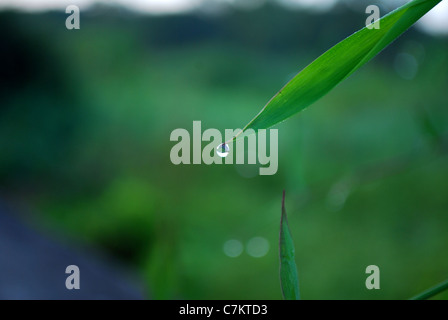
(336, 64)
(432, 291)
(288, 270)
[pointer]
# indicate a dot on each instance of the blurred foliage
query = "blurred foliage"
(85, 120)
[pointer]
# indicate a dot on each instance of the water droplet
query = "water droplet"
(223, 150)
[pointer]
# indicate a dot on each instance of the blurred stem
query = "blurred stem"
(432, 292)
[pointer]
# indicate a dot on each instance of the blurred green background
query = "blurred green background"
(85, 122)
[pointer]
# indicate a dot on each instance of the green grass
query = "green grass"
(336, 64)
(432, 291)
(288, 269)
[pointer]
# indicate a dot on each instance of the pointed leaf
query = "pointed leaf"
(288, 269)
(322, 75)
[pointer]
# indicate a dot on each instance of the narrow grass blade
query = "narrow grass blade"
(288, 269)
(340, 61)
(432, 292)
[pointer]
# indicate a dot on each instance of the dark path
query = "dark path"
(32, 266)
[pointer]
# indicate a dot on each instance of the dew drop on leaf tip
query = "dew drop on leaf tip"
(222, 150)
